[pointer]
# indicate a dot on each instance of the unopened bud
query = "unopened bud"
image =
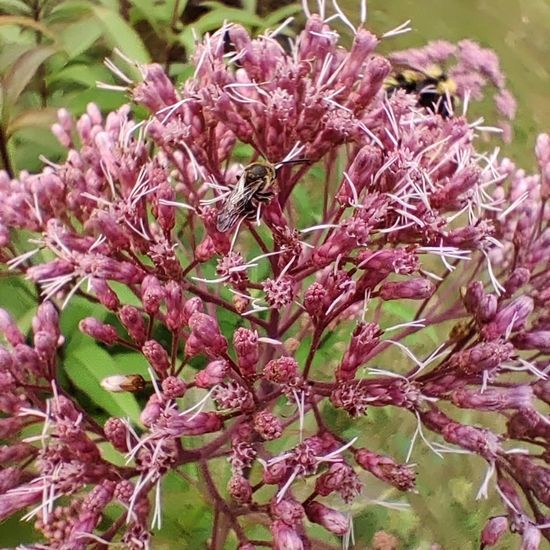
(98, 330)
(493, 530)
(157, 356)
(119, 383)
(538, 340)
(531, 538)
(412, 289)
(213, 374)
(285, 537)
(133, 322)
(330, 519)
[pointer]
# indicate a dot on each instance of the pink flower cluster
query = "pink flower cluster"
(407, 209)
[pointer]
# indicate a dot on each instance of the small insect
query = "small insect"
(434, 89)
(255, 186)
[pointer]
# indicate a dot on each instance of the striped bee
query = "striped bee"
(434, 89)
(255, 186)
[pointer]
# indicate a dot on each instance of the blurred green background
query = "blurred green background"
(51, 55)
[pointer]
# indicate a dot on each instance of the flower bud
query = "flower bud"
(193, 424)
(173, 387)
(481, 305)
(175, 318)
(275, 473)
(240, 489)
(281, 370)
(330, 519)
(364, 339)
(482, 357)
(279, 292)
(10, 329)
(285, 537)
(133, 322)
(119, 383)
(117, 433)
(105, 294)
(152, 294)
(412, 289)
(493, 530)
(124, 491)
(205, 336)
(519, 277)
(246, 347)
(537, 340)
(191, 306)
(493, 399)
(213, 374)
(157, 356)
(205, 250)
(46, 319)
(288, 510)
(478, 440)
(152, 410)
(509, 318)
(267, 425)
(98, 330)
(314, 299)
(385, 468)
(531, 538)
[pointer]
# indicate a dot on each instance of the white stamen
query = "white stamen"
(363, 11)
(18, 260)
(513, 206)
(416, 324)
(483, 490)
(321, 226)
(401, 29)
(157, 514)
(343, 17)
(371, 135)
(328, 457)
(272, 341)
(175, 203)
(285, 487)
(116, 71)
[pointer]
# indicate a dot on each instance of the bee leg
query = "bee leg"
(264, 196)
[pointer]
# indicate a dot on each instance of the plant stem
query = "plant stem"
(4, 154)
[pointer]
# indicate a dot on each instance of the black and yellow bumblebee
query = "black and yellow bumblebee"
(434, 89)
(255, 186)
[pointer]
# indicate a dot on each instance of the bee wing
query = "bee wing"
(236, 204)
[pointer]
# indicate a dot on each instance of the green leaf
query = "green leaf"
(67, 11)
(16, 7)
(32, 118)
(18, 21)
(121, 35)
(23, 71)
(108, 100)
(78, 36)
(215, 18)
(154, 15)
(250, 5)
(10, 52)
(17, 296)
(280, 14)
(86, 366)
(81, 74)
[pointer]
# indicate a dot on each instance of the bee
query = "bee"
(255, 186)
(434, 89)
